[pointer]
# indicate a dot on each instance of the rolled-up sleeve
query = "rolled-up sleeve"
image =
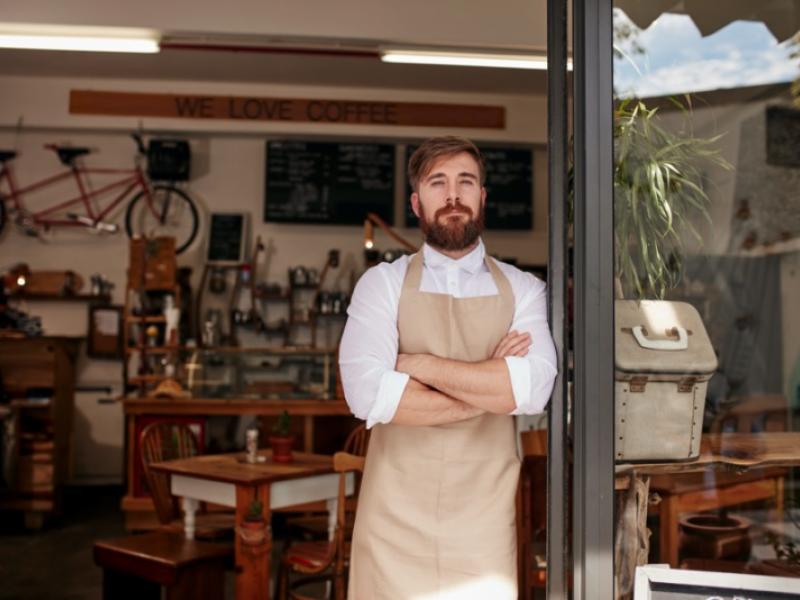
(532, 376)
(368, 350)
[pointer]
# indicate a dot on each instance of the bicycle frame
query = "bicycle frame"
(133, 179)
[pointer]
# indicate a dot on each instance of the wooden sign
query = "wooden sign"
(249, 108)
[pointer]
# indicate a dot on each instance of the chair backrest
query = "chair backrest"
(534, 442)
(344, 463)
(358, 441)
(159, 442)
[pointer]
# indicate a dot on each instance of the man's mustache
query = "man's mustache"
(454, 208)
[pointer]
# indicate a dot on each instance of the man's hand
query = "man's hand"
(513, 343)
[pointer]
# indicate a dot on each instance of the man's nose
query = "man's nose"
(452, 193)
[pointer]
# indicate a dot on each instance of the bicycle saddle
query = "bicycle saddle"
(67, 154)
(6, 155)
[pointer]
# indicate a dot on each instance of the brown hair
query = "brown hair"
(421, 162)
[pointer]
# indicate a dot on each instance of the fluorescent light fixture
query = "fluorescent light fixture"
(80, 39)
(467, 59)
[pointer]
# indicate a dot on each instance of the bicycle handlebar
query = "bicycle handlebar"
(139, 143)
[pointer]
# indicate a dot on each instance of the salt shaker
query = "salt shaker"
(252, 445)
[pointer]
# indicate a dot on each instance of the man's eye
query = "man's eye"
(437, 183)
(466, 182)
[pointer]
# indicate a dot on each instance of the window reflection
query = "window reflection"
(707, 212)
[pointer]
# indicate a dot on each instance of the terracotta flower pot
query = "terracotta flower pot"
(253, 533)
(281, 447)
(715, 537)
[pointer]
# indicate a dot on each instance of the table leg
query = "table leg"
(253, 545)
(668, 512)
(189, 511)
(333, 506)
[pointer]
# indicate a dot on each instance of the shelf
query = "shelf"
(22, 403)
(146, 378)
(272, 297)
(105, 299)
(155, 349)
(303, 286)
(150, 319)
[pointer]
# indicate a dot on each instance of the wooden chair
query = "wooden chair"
(532, 513)
(357, 441)
(168, 441)
(323, 560)
(140, 567)
(315, 526)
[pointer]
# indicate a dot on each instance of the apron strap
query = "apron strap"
(500, 280)
(413, 277)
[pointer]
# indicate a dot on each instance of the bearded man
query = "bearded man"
(440, 350)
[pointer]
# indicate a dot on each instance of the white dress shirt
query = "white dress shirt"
(369, 347)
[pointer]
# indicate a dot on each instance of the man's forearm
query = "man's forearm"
(421, 405)
(485, 384)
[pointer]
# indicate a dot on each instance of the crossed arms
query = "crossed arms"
(442, 390)
(382, 386)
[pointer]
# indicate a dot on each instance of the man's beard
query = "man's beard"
(453, 234)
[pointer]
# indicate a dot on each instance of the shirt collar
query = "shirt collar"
(471, 262)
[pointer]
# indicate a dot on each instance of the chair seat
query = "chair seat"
(309, 555)
(157, 556)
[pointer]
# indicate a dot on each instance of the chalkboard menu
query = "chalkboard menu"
(226, 238)
(783, 136)
(328, 182)
(509, 188)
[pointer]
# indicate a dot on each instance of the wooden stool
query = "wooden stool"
(137, 566)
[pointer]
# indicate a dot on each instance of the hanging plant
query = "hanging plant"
(658, 193)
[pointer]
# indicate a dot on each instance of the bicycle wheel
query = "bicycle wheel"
(167, 211)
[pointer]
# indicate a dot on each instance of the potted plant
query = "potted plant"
(282, 439)
(659, 195)
(253, 530)
(658, 192)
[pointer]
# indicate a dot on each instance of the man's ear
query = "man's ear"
(415, 203)
(483, 197)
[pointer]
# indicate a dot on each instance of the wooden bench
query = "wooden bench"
(138, 566)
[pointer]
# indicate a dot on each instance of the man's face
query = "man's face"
(450, 203)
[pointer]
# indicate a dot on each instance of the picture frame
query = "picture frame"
(104, 338)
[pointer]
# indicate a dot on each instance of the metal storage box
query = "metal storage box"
(663, 361)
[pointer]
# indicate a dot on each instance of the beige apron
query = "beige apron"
(435, 516)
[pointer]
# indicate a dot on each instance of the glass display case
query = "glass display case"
(259, 373)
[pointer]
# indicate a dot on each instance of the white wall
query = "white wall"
(228, 160)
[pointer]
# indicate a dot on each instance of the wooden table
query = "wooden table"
(138, 510)
(226, 480)
(731, 452)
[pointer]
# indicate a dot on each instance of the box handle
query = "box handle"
(682, 343)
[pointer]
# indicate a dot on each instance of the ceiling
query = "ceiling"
(266, 67)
